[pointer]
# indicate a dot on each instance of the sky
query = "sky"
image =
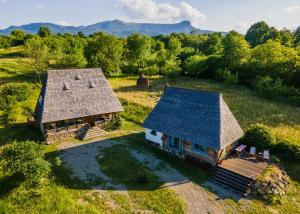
(218, 15)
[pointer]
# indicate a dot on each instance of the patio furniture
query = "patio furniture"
(240, 149)
(252, 150)
(266, 155)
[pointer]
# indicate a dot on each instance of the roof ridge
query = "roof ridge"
(72, 69)
(193, 89)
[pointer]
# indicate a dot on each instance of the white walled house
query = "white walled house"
(154, 136)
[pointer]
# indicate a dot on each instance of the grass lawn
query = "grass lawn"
(144, 187)
(68, 195)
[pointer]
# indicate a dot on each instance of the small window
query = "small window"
(174, 142)
(199, 148)
(153, 132)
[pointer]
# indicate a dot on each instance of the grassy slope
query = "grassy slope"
(65, 194)
(247, 107)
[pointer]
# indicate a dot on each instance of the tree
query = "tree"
(5, 41)
(213, 45)
(174, 46)
(73, 52)
(18, 37)
(137, 49)
(286, 37)
(274, 59)
(39, 53)
(25, 159)
(259, 33)
(194, 65)
(236, 50)
(44, 31)
(296, 37)
(105, 51)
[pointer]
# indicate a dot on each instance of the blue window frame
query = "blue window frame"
(174, 142)
(199, 148)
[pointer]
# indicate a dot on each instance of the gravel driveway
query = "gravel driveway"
(82, 159)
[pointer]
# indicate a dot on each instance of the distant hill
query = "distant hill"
(115, 27)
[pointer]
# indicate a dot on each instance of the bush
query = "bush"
(260, 136)
(286, 150)
(11, 94)
(27, 160)
(226, 76)
(269, 87)
(113, 124)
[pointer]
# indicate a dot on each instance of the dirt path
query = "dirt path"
(198, 199)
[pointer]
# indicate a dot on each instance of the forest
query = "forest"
(265, 59)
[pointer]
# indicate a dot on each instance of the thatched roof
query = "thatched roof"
(75, 93)
(196, 116)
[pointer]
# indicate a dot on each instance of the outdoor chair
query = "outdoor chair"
(252, 150)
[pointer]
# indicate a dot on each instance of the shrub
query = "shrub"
(115, 123)
(286, 150)
(260, 136)
(11, 94)
(27, 160)
(226, 76)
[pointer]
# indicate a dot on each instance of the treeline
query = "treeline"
(265, 58)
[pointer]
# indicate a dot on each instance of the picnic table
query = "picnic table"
(240, 149)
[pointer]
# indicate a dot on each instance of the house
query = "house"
(73, 100)
(193, 124)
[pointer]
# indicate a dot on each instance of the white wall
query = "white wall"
(155, 139)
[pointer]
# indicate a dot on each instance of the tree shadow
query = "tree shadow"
(20, 132)
(9, 183)
(25, 77)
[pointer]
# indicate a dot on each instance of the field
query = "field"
(66, 194)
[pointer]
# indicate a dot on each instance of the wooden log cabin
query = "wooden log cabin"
(73, 100)
(193, 124)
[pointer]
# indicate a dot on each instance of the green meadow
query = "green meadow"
(65, 194)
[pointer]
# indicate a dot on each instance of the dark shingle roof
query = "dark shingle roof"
(67, 94)
(196, 116)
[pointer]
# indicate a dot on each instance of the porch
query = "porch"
(247, 166)
(237, 173)
(76, 124)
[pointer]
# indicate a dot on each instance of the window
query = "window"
(174, 142)
(153, 132)
(199, 148)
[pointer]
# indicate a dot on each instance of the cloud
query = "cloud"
(40, 7)
(150, 10)
(292, 9)
(242, 26)
(62, 22)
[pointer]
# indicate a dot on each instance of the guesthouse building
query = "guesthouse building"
(193, 124)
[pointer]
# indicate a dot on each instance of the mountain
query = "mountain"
(115, 27)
